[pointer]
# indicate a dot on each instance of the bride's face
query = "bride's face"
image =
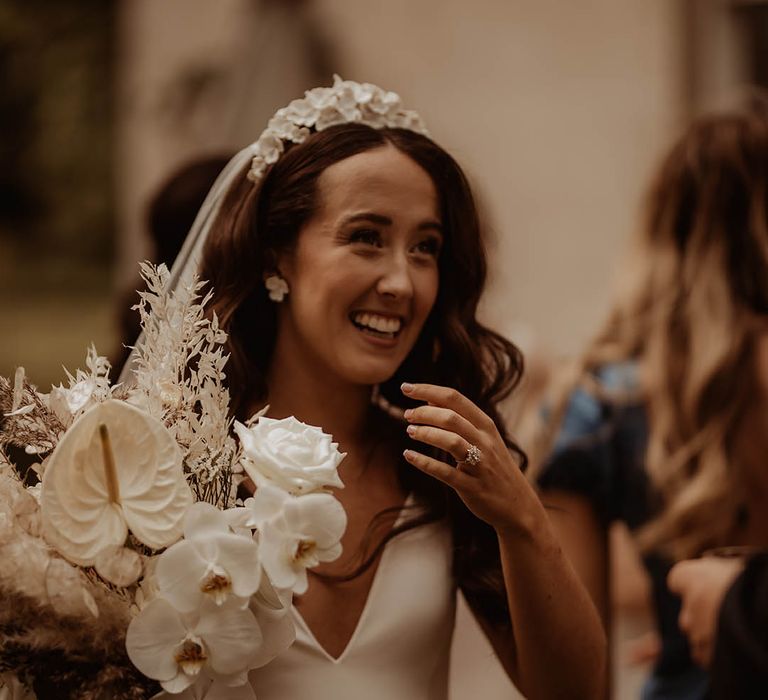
(363, 276)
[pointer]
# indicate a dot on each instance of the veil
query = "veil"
(188, 259)
(344, 102)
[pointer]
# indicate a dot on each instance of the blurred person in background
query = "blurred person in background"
(169, 217)
(661, 424)
(725, 616)
(348, 264)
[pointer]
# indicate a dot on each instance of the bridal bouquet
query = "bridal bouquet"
(129, 567)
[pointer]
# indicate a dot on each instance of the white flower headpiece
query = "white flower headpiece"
(346, 102)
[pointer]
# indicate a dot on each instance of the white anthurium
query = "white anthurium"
(116, 469)
(210, 562)
(178, 649)
(297, 457)
(296, 533)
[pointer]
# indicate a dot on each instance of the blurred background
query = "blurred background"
(558, 111)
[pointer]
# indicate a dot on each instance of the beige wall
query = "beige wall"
(556, 109)
(195, 78)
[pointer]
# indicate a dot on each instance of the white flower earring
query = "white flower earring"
(276, 286)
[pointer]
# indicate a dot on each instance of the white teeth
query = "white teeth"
(382, 324)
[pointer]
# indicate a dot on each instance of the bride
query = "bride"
(347, 262)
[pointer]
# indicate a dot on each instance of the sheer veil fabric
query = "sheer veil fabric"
(188, 260)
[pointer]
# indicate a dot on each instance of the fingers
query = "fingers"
(693, 581)
(699, 645)
(446, 419)
(678, 575)
(440, 470)
(449, 442)
(445, 397)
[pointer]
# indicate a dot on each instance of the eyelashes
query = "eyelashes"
(365, 235)
(429, 245)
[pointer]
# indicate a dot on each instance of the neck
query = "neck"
(318, 398)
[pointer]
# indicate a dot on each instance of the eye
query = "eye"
(429, 246)
(366, 236)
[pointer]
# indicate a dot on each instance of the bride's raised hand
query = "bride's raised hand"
(544, 592)
(486, 476)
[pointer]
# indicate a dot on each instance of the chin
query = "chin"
(370, 373)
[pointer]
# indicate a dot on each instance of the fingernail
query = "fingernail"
(411, 430)
(406, 388)
(408, 454)
(408, 413)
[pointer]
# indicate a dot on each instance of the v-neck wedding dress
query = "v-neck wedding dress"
(400, 648)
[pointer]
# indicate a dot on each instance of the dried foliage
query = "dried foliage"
(180, 376)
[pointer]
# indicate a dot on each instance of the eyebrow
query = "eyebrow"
(381, 220)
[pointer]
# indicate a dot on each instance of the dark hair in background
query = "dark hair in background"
(172, 210)
(258, 221)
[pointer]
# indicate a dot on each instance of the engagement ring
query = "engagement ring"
(473, 456)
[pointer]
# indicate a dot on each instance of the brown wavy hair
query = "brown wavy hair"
(695, 297)
(258, 221)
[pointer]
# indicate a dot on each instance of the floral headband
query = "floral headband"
(344, 103)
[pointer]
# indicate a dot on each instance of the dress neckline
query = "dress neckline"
(299, 618)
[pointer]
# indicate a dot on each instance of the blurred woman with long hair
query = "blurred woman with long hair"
(662, 422)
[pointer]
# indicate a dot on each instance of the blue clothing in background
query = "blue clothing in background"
(599, 454)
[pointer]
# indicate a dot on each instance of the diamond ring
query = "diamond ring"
(473, 456)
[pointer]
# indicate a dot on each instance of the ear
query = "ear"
(280, 264)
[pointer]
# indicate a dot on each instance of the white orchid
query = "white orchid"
(271, 607)
(296, 533)
(297, 457)
(210, 562)
(116, 469)
(206, 688)
(176, 649)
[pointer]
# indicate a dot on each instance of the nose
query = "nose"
(395, 280)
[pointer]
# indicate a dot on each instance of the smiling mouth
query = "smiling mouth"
(377, 325)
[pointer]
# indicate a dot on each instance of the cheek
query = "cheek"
(427, 287)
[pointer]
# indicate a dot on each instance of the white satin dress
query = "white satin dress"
(400, 649)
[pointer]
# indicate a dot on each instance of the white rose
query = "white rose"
(290, 454)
